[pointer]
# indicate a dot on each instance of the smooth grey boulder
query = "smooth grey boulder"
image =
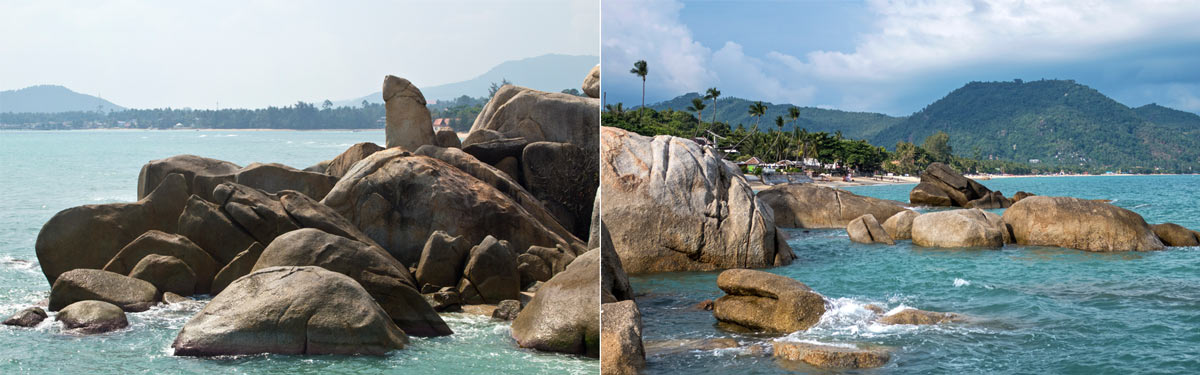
(674, 206)
(563, 316)
(274, 178)
(490, 275)
(207, 226)
(409, 124)
(257, 212)
(202, 266)
(342, 163)
(768, 302)
(957, 228)
(811, 206)
(89, 236)
(899, 226)
(519, 112)
(384, 278)
(90, 317)
(241, 265)
(442, 260)
(167, 273)
(1172, 234)
(189, 166)
(83, 284)
(1078, 224)
(865, 229)
(29, 317)
(290, 310)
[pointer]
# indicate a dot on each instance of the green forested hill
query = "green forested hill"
(733, 111)
(1057, 122)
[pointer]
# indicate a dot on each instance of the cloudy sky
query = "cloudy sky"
(152, 54)
(897, 56)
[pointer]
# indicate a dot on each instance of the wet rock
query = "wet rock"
(342, 163)
(957, 228)
(621, 350)
(1172, 234)
(198, 262)
(705, 305)
(90, 317)
(875, 309)
(507, 309)
(865, 229)
(241, 265)
(172, 298)
(681, 346)
(490, 275)
(166, 273)
(766, 302)
(811, 206)
(89, 236)
(409, 124)
(82, 284)
(899, 226)
(1078, 224)
(29, 317)
(384, 278)
(831, 356)
(290, 310)
(920, 317)
(562, 317)
(674, 206)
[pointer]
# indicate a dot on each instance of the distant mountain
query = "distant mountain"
(51, 99)
(1055, 122)
(547, 73)
(734, 111)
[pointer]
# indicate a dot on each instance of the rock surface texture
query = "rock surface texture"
(1078, 224)
(83, 284)
(766, 302)
(831, 356)
(865, 229)
(563, 315)
(409, 124)
(91, 317)
(957, 228)
(811, 206)
(942, 186)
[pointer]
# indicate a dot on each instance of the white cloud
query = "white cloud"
(651, 31)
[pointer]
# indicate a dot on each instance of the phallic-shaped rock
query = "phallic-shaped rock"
(241, 265)
(89, 236)
(768, 302)
(957, 228)
(28, 317)
(399, 200)
(409, 124)
(562, 317)
(591, 82)
(831, 356)
(206, 225)
(865, 229)
(91, 317)
(442, 260)
(899, 226)
(83, 284)
(1172, 234)
(290, 310)
(1078, 224)
(621, 350)
(811, 206)
(674, 206)
(167, 273)
(342, 163)
(189, 166)
(490, 275)
(385, 279)
(919, 317)
(154, 242)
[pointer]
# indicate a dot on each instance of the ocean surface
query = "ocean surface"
(1032, 309)
(45, 172)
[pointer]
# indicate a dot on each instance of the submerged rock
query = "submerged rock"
(91, 317)
(865, 229)
(674, 206)
(919, 317)
(1079, 224)
(29, 317)
(811, 206)
(681, 346)
(409, 124)
(957, 228)
(768, 302)
(290, 310)
(1172, 234)
(82, 284)
(831, 356)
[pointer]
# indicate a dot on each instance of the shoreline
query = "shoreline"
(758, 185)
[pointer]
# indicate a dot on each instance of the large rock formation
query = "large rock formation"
(939, 182)
(409, 124)
(274, 178)
(385, 279)
(155, 242)
(342, 163)
(518, 112)
(899, 226)
(1172, 234)
(189, 166)
(208, 226)
(766, 302)
(811, 206)
(92, 317)
(565, 178)
(399, 199)
(865, 229)
(957, 228)
(89, 236)
(591, 82)
(490, 275)
(128, 293)
(563, 315)
(290, 310)
(1078, 224)
(674, 206)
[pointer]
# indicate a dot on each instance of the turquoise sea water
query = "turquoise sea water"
(1033, 309)
(45, 172)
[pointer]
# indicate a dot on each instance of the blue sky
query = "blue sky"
(153, 54)
(897, 56)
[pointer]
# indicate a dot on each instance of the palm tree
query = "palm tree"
(640, 70)
(757, 110)
(713, 93)
(793, 113)
(778, 124)
(698, 107)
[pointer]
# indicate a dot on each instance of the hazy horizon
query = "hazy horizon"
(260, 54)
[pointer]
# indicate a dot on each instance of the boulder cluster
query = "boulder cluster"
(941, 186)
(355, 254)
